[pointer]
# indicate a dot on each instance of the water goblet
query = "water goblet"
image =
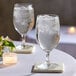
(23, 19)
(48, 35)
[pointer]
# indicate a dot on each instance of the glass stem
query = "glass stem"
(23, 40)
(47, 59)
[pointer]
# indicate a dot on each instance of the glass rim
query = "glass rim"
(22, 4)
(54, 15)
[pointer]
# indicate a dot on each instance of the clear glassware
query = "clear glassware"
(48, 35)
(23, 19)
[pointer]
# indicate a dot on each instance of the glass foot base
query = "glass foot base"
(28, 49)
(52, 68)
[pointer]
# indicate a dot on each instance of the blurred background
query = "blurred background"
(66, 9)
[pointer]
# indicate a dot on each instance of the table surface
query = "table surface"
(26, 61)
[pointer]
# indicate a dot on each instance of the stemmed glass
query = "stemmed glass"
(47, 33)
(23, 19)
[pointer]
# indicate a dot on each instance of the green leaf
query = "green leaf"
(1, 38)
(8, 43)
(1, 52)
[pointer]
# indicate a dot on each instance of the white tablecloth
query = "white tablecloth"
(26, 61)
